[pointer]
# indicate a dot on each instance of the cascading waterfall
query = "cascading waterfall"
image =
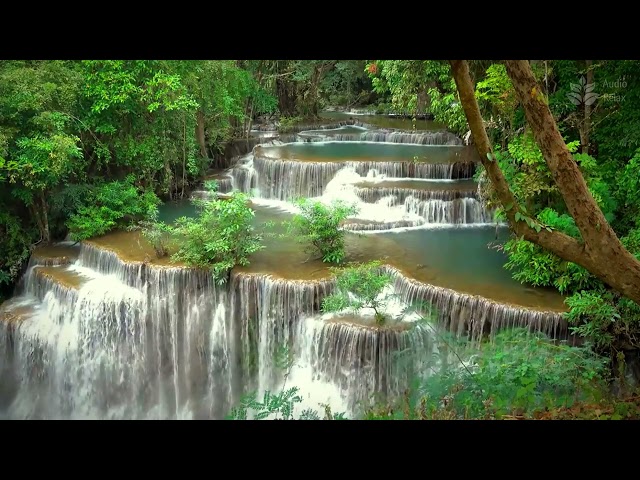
(460, 211)
(419, 138)
(286, 180)
(473, 316)
(130, 340)
(365, 362)
(374, 194)
(382, 136)
(91, 335)
(434, 206)
(267, 309)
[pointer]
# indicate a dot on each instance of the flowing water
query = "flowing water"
(384, 121)
(105, 330)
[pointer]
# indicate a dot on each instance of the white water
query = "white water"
(419, 214)
(134, 342)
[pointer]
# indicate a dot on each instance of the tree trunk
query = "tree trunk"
(585, 130)
(39, 210)
(602, 254)
(184, 155)
(200, 133)
(286, 97)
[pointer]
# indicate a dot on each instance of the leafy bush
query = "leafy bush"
(632, 242)
(518, 373)
(221, 237)
(534, 265)
(359, 286)
(109, 206)
(318, 225)
(610, 321)
(157, 233)
(14, 245)
(287, 123)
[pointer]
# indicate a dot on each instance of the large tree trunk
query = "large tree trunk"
(40, 211)
(286, 97)
(585, 129)
(601, 253)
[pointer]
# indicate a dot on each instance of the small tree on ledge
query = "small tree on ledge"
(318, 226)
(360, 286)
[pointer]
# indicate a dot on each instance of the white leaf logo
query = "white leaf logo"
(582, 92)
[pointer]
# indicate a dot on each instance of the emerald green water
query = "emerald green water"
(367, 151)
(456, 258)
(385, 121)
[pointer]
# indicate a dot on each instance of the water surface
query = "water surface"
(385, 121)
(464, 258)
(367, 151)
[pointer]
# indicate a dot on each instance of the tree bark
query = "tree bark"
(40, 211)
(602, 254)
(285, 91)
(200, 133)
(184, 155)
(585, 131)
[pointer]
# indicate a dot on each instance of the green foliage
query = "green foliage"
(281, 405)
(610, 321)
(68, 128)
(517, 373)
(533, 265)
(628, 192)
(157, 233)
(288, 123)
(318, 225)
(632, 242)
(447, 109)
(14, 245)
(359, 286)
(347, 84)
(277, 406)
(109, 206)
(221, 237)
(497, 91)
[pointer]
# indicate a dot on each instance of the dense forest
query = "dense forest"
(87, 147)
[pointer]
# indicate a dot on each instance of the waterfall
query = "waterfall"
(415, 137)
(462, 210)
(434, 206)
(225, 185)
(365, 362)
(286, 180)
(127, 342)
(374, 194)
(383, 136)
(473, 316)
(267, 310)
(105, 338)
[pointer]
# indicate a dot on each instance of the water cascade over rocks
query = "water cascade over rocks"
(92, 333)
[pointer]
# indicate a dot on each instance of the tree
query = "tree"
(599, 250)
(221, 237)
(360, 286)
(318, 225)
(41, 152)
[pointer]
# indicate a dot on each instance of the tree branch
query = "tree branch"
(559, 243)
